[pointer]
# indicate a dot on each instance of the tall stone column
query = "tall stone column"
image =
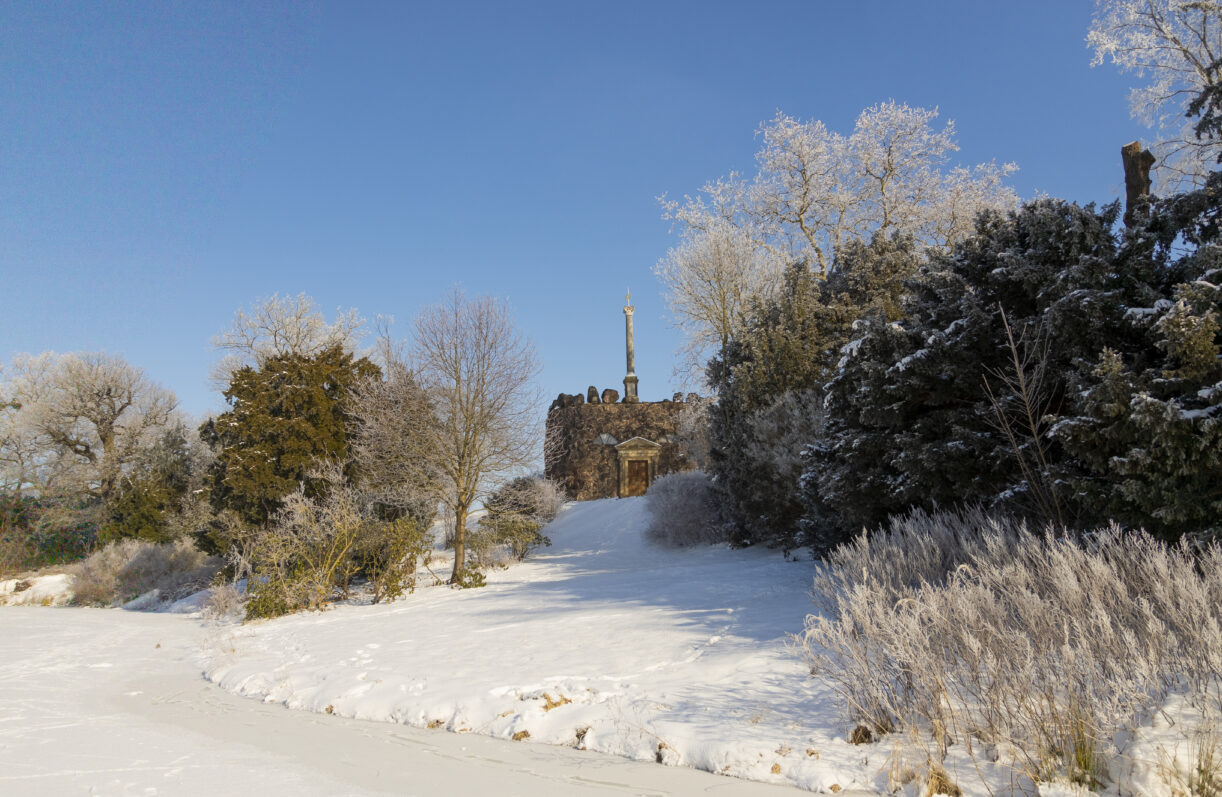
(630, 379)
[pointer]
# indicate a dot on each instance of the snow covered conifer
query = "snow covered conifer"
(909, 419)
(770, 380)
(1128, 424)
(1148, 426)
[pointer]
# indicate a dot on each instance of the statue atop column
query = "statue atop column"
(630, 380)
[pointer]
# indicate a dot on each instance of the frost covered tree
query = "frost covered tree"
(711, 277)
(282, 327)
(1176, 45)
(388, 418)
(28, 462)
(479, 373)
(74, 423)
(816, 190)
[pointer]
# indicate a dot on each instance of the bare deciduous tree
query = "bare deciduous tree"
(1021, 408)
(1177, 45)
(478, 372)
(710, 277)
(388, 440)
(25, 463)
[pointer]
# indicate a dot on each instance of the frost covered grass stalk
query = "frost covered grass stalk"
(973, 630)
(1205, 775)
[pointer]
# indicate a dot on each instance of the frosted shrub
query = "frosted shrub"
(304, 555)
(513, 525)
(913, 549)
(389, 554)
(962, 629)
(225, 603)
(684, 509)
(315, 548)
(127, 569)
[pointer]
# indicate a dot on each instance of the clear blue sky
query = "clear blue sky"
(163, 163)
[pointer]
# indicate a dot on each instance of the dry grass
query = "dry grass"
(957, 628)
(549, 703)
(1205, 777)
(1200, 775)
(939, 782)
(225, 603)
(125, 570)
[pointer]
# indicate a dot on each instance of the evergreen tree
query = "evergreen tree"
(769, 380)
(909, 418)
(1124, 330)
(1148, 427)
(153, 489)
(283, 418)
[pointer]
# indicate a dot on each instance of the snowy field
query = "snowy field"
(111, 703)
(600, 642)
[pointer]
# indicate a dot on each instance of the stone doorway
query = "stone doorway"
(637, 465)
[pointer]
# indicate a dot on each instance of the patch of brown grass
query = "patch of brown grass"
(549, 703)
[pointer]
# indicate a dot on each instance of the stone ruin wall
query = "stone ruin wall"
(587, 469)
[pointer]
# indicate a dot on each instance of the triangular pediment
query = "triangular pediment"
(637, 444)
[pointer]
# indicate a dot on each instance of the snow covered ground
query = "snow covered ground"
(601, 642)
(109, 703)
(48, 590)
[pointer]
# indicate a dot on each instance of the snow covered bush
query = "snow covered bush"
(684, 510)
(962, 630)
(127, 569)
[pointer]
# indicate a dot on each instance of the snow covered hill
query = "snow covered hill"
(602, 641)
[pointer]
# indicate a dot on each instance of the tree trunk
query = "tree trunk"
(1137, 163)
(460, 545)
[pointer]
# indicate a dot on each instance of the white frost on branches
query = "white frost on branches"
(280, 326)
(1177, 46)
(816, 190)
(710, 278)
(74, 422)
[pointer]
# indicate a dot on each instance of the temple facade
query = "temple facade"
(602, 446)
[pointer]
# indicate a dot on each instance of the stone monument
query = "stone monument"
(601, 446)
